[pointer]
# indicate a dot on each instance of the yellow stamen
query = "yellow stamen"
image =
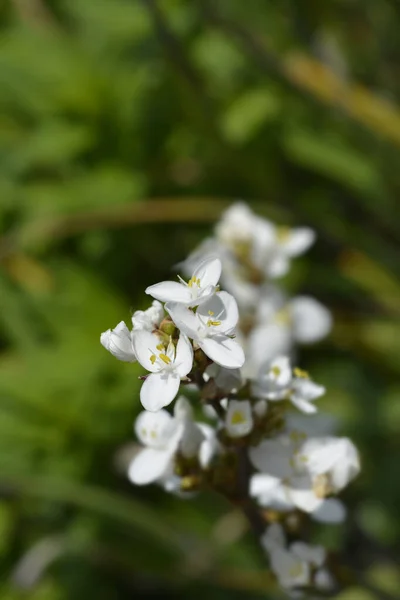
(160, 347)
(296, 570)
(282, 317)
(153, 359)
(322, 486)
(211, 313)
(213, 323)
(300, 373)
(165, 358)
(276, 371)
(194, 281)
(153, 434)
(237, 418)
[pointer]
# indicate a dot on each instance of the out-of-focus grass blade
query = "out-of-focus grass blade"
(128, 511)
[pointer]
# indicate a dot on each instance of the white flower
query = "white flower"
(211, 327)
(276, 382)
(269, 247)
(163, 436)
(293, 565)
(301, 472)
(281, 324)
(150, 318)
(200, 287)
(236, 225)
(290, 570)
(167, 364)
(160, 433)
(118, 341)
(239, 418)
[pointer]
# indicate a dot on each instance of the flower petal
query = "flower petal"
(208, 271)
(118, 341)
(184, 318)
(331, 510)
(145, 345)
(150, 427)
(273, 457)
(305, 499)
(311, 321)
(277, 266)
(149, 465)
(158, 390)
(304, 405)
(298, 241)
(224, 351)
(170, 291)
(184, 356)
(307, 389)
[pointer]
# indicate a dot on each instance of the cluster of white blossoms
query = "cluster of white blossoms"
(260, 442)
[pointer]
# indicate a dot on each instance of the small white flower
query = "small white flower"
(200, 287)
(293, 565)
(167, 364)
(239, 418)
(150, 318)
(282, 323)
(301, 472)
(236, 225)
(160, 435)
(211, 327)
(290, 570)
(276, 382)
(118, 341)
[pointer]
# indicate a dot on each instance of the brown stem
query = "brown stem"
(247, 505)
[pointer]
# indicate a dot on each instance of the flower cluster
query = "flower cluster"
(260, 441)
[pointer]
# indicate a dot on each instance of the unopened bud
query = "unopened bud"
(167, 327)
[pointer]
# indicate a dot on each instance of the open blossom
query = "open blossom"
(212, 327)
(150, 318)
(160, 434)
(162, 437)
(297, 471)
(282, 323)
(267, 247)
(167, 363)
(200, 287)
(293, 565)
(118, 341)
(276, 381)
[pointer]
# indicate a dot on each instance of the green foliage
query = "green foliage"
(104, 107)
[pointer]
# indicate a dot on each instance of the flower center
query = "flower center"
(237, 418)
(161, 355)
(296, 570)
(276, 371)
(211, 322)
(194, 281)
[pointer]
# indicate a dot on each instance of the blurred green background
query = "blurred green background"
(126, 127)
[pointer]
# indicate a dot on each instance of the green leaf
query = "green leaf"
(248, 113)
